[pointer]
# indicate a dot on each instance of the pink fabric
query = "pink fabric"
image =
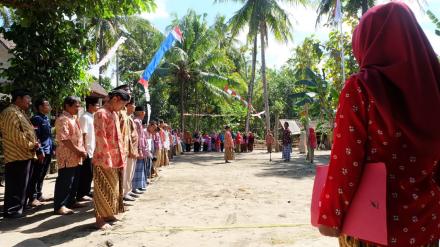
(109, 151)
(142, 139)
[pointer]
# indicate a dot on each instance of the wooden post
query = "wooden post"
(275, 133)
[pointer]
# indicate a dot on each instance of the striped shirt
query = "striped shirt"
(18, 135)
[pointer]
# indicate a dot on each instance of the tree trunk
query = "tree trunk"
(306, 127)
(101, 50)
(364, 6)
(117, 70)
(251, 84)
(275, 133)
(182, 109)
(263, 76)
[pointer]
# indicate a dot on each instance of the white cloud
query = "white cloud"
(435, 42)
(303, 20)
(160, 13)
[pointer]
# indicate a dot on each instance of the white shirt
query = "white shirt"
(150, 144)
(167, 143)
(86, 123)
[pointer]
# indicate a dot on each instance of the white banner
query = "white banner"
(94, 69)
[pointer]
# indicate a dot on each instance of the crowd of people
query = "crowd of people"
(110, 146)
(215, 142)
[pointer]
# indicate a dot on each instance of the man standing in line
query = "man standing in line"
(19, 146)
(139, 179)
(132, 153)
(150, 149)
(39, 167)
(70, 155)
(88, 130)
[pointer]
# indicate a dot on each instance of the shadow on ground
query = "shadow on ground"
(47, 219)
(296, 168)
(59, 238)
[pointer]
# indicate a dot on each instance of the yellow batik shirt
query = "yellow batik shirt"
(18, 135)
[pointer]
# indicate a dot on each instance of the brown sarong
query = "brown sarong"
(347, 241)
(107, 192)
(229, 154)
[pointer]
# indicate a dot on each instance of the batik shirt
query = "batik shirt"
(109, 150)
(67, 128)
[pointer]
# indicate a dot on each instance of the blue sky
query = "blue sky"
(303, 19)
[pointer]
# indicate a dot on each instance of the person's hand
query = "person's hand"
(37, 146)
(82, 153)
(329, 231)
(41, 158)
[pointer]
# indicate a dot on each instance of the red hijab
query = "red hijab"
(400, 71)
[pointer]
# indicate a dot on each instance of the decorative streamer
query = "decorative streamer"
(174, 35)
(94, 69)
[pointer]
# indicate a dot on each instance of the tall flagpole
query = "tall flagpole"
(342, 52)
(338, 19)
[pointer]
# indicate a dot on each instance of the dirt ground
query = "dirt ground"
(197, 201)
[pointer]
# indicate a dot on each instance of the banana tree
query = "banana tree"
(317, 98)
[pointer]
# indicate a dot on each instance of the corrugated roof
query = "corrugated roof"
(293, 126)
(8, 44)
(97, 90)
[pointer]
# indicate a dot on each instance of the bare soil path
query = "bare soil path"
(197, 201)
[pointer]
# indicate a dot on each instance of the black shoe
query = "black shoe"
(142, 189)
(128, 198)
(136, 191)
(133, 195)
(13, 216)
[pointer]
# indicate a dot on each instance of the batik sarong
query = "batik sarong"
(107, 192)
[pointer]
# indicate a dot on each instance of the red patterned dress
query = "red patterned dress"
(360, 137)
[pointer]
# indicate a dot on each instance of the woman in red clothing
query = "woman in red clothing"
(389, 112)
(312, 144)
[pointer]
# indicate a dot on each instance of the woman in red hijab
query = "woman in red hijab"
(389, 112)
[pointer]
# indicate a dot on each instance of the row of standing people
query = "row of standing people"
(109, 146)
(216, 142)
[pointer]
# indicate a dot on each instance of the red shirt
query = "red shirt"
(413, 197)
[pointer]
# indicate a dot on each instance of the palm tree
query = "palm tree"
(350, 8)
(103, 33)
(197, 64)
(261, 16)
(434, 20)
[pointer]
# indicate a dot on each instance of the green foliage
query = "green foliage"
(332, 63)
(53, 46)
(90, 8)
(350, 8)
(48, 58)
(199, 68)
(434, 20)
(312, 79)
